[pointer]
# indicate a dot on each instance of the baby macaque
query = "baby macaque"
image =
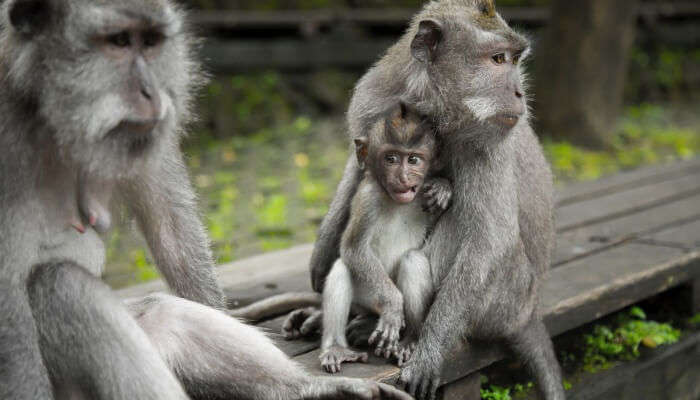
(381, 268)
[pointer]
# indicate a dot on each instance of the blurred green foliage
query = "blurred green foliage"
(646, 135)
(606, 345)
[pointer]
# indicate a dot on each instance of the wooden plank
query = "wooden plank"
(686, 236)
(584, 241)
(578, 293)
(625, 180)
(619, 204)
(590, 288)
(254, 277)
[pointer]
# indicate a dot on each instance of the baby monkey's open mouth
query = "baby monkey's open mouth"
(405, 196)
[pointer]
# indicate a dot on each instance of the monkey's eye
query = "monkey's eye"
(120, 39)
(152, 38)
(391, 158)
(516, 58)
(414, 160)
(499, 58)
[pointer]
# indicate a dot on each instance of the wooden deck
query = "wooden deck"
(620, 240)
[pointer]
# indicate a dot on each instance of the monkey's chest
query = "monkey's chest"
(397, 231)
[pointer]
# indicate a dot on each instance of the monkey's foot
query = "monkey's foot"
(404, 351)
(336, 355)
(302, 323)
(353, 389)
(386, 334)
(360, 329)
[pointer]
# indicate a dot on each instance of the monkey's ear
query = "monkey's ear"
(29, 16)
(361, 151)
(425, 44)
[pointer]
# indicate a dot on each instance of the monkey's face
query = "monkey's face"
(474, 58)
(111, 79)
(401, 171)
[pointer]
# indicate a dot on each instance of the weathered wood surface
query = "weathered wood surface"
(621, 239)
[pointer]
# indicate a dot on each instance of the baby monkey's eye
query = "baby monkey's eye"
(391, 158)
(499, 58)
(120, 39)
(414, 160)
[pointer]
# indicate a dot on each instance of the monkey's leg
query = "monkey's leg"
(90, 343)
(218, 357)
(415, 283)
(533, 346)
(23, 375)
(337, 298)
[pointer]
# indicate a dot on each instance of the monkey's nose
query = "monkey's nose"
(518, 94)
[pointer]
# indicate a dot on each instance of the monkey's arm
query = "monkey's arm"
(165, 206)
(327, 247)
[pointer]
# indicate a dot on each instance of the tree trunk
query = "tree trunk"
(581, 69)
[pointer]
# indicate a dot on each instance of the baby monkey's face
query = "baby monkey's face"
(402, 170)
(398, 153)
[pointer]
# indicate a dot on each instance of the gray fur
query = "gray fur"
(76, 126)
(490, 251)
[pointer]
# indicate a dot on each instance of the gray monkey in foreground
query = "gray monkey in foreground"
(93, 98)
(381, 268)
(459, 63)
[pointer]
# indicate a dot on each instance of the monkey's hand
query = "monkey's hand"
(336, 355)
(437, 194)
(302, 323)
(386, 334)
(421, 376)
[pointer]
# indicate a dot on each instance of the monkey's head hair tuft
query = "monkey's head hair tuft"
(403, 125)
(111, 81)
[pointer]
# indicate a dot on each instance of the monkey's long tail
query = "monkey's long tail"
(276, 305)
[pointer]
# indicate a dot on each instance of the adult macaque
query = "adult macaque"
(459, 64)
(93, 98)
(381, 268)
